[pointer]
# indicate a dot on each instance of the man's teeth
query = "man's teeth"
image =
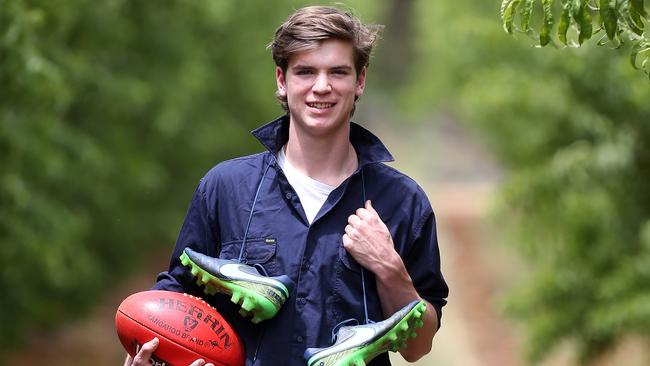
(321, 105)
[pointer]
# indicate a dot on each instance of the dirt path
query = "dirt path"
(459, 179)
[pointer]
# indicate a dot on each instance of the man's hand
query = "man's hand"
(368, 240)
(143, 355)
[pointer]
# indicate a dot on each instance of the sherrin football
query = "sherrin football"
(187, 327)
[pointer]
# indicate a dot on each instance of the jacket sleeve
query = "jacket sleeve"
(423, 265)
(199, 232)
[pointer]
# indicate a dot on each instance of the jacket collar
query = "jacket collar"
(370, 149)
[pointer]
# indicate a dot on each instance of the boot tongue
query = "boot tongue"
(343, 334)
(249, 270)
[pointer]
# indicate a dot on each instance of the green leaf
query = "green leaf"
(508, 13)
(634, 21)
(635, 24)
(609, 18)
(565, 21)
(583, 20)
(634, 53)
(547, 23)
(504, 6)
(637, 7)
(527, 7)
(641, 49)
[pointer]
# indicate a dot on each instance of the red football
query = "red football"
(187, 327)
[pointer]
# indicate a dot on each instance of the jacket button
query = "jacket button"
(302, 301)
(288, 195)
(299, 339)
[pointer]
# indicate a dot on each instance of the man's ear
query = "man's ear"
(280, 81)
(361, 82)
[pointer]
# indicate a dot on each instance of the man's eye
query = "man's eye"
(340, 72)
(304, 72)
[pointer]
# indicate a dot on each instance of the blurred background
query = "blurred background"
(537, 163)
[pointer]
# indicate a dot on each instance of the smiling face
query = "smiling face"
(321, 86)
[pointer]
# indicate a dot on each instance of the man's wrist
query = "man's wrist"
(392, 271)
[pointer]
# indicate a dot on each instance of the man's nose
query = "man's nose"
(322, 84)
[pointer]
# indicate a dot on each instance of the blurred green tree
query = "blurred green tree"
(110, 112)
(572, 129)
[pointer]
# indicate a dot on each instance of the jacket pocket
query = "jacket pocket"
(349, 291)
(257, 251)
(348, 261)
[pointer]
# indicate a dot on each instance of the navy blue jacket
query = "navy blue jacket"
(328, 282)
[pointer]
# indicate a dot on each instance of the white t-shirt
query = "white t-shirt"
(312, 193)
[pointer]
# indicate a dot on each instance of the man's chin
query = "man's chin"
(321, 126)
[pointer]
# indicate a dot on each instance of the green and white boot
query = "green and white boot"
(259, 295)
(357, 345)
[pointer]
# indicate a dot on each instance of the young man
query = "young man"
(339, 235)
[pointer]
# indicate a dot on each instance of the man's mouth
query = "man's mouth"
(321, 105)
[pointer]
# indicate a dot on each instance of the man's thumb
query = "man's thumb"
(369, 206)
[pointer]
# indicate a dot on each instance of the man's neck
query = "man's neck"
(328, 159)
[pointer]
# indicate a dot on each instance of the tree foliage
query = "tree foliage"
(572, 22)
(572, 130)
(110, 111)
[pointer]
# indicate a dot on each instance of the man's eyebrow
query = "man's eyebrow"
(307, 67)
(299, 66)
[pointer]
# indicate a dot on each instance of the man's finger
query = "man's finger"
(346, 241)
(351, 232)
(128, 361)
(354, 220)
(364, 214)
(199, 362)
(145, 352)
